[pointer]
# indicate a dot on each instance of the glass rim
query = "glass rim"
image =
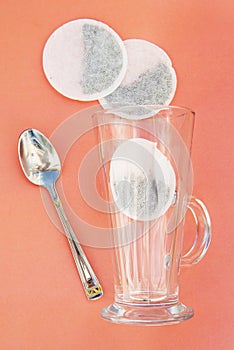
(113, 110)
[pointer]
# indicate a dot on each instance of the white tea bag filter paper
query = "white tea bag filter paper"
(84, 60)
(150, 79)
(142, 180)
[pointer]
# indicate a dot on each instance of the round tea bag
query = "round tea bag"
(142, 180)
(150, 79)
(84, 60)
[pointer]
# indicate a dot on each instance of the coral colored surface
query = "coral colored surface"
(42, 305)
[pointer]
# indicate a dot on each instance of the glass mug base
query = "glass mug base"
(147, 315)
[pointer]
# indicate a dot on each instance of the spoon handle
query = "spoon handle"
(92, 287)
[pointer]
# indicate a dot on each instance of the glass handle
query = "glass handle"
(203, 233)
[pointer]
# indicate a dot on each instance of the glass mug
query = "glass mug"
(148, 177)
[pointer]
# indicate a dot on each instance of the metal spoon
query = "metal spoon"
(41, 166)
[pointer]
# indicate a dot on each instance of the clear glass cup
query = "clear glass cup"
(148, 178)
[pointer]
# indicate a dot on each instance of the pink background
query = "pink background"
(41, 301)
